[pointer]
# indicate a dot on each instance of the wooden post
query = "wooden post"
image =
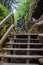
(28, 46)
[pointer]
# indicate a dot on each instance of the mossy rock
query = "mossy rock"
(36, 28)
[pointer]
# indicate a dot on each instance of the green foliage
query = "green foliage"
(22, 9)
(3, 12)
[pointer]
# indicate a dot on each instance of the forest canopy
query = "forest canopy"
(23, 9)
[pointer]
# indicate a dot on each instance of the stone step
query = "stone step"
(21, 56)
(16, 64)
(10, 43)
(24, 49)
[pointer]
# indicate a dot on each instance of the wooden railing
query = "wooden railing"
(6, 34)
(5, 20)
(2, 23)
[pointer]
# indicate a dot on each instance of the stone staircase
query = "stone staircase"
(22, 50)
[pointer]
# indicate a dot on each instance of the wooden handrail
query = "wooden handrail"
(9, 29)
(6, 34)
(5, 20)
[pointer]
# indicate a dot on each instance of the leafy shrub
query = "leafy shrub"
(3, 12)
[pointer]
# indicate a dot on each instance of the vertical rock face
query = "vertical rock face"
(32, 8)
(39, 10)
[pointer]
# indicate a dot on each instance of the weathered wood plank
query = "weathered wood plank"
(41, 34)
(16, 64)
(10, 43)
(22, 39)
(24, 34)
(21, 56)
(24, 49)
(41, 60)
